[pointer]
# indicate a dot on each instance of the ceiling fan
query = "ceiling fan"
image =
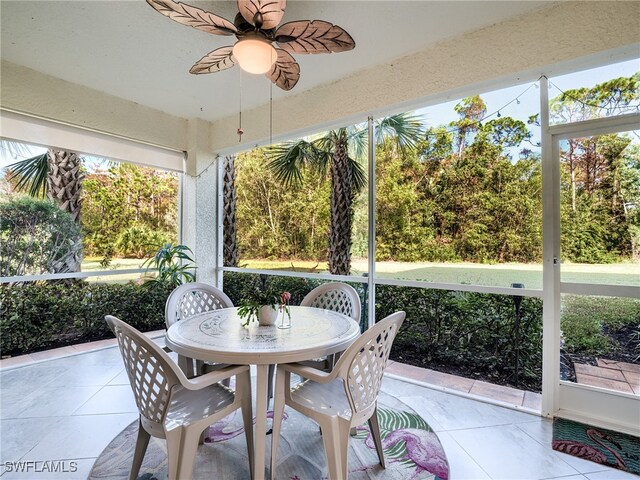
(255, 28)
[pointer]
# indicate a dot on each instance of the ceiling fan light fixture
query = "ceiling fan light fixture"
(257, 26)
(255, 55)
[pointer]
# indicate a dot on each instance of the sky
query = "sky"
(529, 104)
(499, 100)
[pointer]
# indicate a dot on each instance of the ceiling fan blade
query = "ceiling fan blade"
(313, 36)
(193, 17)
(219, 59)
(271, 11)
(285, 73)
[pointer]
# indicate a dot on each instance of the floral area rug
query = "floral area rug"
(412, 451)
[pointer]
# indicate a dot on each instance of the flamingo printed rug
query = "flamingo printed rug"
(412, 450)
(606, 447)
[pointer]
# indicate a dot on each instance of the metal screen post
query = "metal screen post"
(371, 284)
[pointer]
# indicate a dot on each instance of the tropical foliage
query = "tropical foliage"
(36, 237)
(470, 191)
(338, 154)
(56, 175)
(171, 266)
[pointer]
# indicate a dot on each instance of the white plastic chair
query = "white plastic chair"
(341, 399)
(186, 301)
(335, 296)
(174, 407)
(338, 297)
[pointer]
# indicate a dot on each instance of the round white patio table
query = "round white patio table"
(218, 336)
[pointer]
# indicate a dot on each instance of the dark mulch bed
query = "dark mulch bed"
(625, 339)
(412, 355)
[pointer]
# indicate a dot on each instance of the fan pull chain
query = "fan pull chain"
(270, 113)
(240, 130)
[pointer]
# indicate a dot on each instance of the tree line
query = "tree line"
(467, 191)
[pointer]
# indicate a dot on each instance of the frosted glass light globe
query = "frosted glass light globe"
(255, 55)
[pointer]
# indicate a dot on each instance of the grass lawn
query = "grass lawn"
(470, 273)
(92, 264)
(502, 275)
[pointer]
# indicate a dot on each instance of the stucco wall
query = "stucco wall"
(28, 91)
(522, 47)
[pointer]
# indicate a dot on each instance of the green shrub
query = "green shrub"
(36, 316)
(139, 241)
(37, 237)
(585, 319)
(472, 332)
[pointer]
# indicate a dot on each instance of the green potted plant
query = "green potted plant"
(263, 303)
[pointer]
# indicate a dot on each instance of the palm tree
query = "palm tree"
(56, 175)
(339, 151)
(229, 194)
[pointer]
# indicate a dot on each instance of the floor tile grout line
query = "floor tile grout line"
(470, 456)
(554, 452)
(482, 426)
(564, 476)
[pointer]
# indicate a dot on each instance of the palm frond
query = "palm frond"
(31, 175)
(358, 138)
(287, 160)
(326, 142)
(405, 127)
(359, 174)
(322, 154)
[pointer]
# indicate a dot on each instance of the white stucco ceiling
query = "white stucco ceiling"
(126, 49)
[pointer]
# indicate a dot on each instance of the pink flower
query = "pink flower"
(285, 297)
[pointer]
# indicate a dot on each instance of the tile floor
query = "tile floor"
(70, 408)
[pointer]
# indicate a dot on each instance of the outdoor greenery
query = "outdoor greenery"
(129, 211)
(171, 266)
(37, 237)
(338, 154)
(276, 221)
(584, 319)
(36, 316)
(469, 191)
(496, 336)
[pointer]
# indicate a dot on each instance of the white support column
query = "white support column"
(199, 202)
(551, 260)
(219, 221)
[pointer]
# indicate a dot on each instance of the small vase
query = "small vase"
(267, 315)
(285, 321)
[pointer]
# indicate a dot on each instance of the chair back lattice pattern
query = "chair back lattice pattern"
(193, 298)
(150, 374)
(335, 296)
(369, 359)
